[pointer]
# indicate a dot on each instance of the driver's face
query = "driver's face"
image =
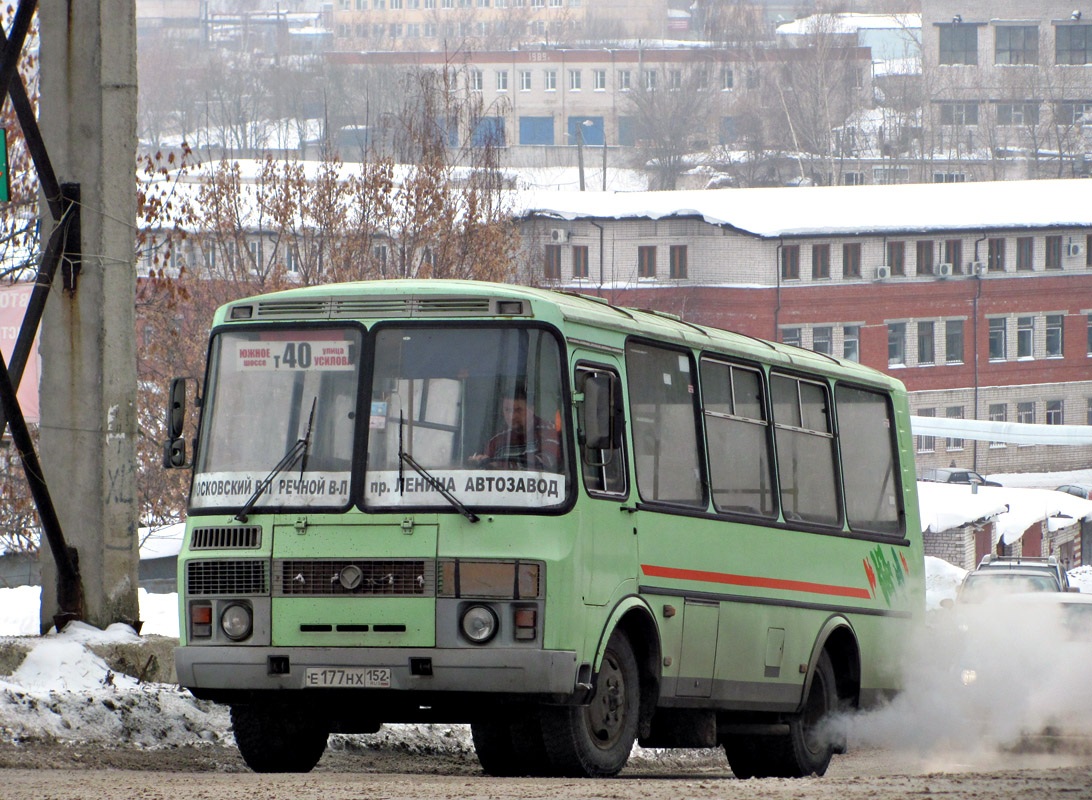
(516, 413)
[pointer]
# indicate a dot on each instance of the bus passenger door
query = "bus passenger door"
(609, 537)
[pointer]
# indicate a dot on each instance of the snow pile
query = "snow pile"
(20, 607)
(941, 582)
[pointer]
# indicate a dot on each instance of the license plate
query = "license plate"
(348, 677)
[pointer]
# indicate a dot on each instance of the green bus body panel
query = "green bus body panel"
(741, 610)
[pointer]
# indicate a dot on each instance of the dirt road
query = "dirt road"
(67, 772)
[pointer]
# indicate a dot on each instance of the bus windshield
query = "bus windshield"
(479, 409)
(268, 390)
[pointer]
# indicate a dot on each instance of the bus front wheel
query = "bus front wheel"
(594, 741)
(509, 743)
(278, 739)
(805, 750)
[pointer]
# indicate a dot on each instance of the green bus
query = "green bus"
(569, 524)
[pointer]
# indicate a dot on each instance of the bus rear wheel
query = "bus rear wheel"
(594, 741)
(509, 744)
(805, 750)
(278, 739)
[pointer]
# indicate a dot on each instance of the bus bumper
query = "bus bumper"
(493, 671)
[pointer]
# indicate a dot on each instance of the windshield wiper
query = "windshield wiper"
(295, 452)
(433, 482)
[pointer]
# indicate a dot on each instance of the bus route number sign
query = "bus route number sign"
(322, 355)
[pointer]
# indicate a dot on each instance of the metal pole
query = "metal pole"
(580, 152)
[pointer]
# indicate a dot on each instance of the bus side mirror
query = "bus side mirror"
(599, 418)
(176, 408)
(174, 450)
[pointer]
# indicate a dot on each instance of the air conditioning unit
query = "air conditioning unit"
(944, 270)
(978, 268)
(1074, 249)
(559, 235)
(883, 272)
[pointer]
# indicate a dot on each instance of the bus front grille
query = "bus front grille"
(229, 577)
(355, 577)
(240, 537)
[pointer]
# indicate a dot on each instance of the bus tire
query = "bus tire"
(278, 738)
(805, 750)
(509, 744)
(594, 741)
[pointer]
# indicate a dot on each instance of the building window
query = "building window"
(953, 341)
(851, 342)
(949, 177)
(1025, 337)
(727, 78)
(475, 80)
(525, 80)
(552, 268)
(580, 261)
(599, 79)
(1017, 113)
(1088, 250)
(953, 254)
(1054, 335)
(1053, 412)
(997, 414)
(995, 255)
(790, 262)
(1070, 113)
(927, 444)
(1053, 252)
(1089, 350)
(925, 257)
(959, 114)
(1025, 415)
(623, 80)
(1089, 417)
(954, 412)
(574, 80)
(646, 261)
(550, 78)
(1016, 44)
(1024, 245)
(896, 344)
(678, 261)
(1073, 44)
(926, 343)
(851, 260)
(853, 179)
(502, 81)
(998, 334)
(791, 336)
(822, 340)
(896, 257)
(958, 44)
(820, 261)
(650, 79)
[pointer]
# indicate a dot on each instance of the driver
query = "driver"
(528, 441)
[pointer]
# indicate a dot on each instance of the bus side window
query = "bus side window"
(601, 420)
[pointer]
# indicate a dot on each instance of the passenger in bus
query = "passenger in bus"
(528, 442)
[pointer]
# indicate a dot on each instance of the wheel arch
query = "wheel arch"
(838, 638)
(635, 619)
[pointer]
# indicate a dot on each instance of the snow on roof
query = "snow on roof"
(842, 210)
(1014, 510)
(849, 22)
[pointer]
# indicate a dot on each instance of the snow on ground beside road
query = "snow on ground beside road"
(20, 608)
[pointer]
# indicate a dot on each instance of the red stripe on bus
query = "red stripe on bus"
(750, 580)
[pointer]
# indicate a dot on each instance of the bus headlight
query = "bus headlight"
(236, 621)
(479, 624)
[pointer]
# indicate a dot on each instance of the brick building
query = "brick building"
(978, 296)
(541, 98)
(1008, 87)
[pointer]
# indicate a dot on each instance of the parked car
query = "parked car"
(1081, 490)
(951, 475)
(999, 575)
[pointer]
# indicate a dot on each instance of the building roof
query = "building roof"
(848, 22)
(842, 210)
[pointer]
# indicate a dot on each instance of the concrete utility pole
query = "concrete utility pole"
(88, 386)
